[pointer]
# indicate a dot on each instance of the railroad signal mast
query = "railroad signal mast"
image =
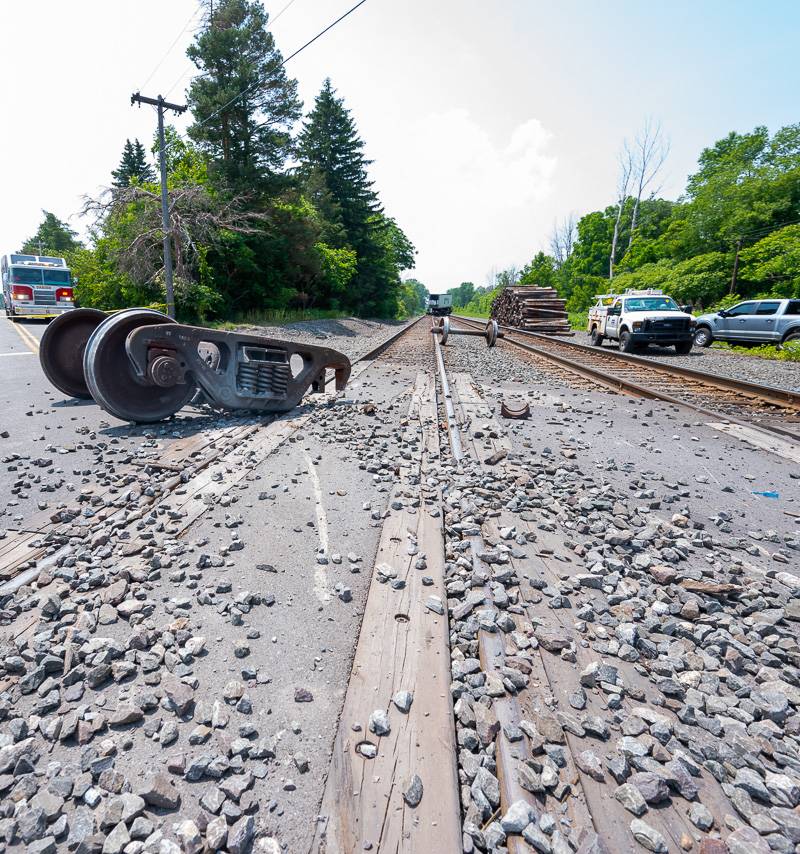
(160, 104)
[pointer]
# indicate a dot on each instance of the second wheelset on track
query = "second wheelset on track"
(140, 365)
(443, 329)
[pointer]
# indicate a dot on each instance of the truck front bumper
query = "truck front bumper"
(664, 339)
(41, 310)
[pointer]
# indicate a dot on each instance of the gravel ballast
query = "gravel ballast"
(768, 372)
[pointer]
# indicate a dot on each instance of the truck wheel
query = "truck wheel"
(595, 337)
(703, 337)
(683, 348)
(792, 338)
(626, 344)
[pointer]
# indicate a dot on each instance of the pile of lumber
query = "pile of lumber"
(532, 308)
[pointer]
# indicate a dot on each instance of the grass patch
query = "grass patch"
(577, 319)
(471, 312)
(789, 353)
(278, 317)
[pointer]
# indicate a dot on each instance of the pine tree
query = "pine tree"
(331, 153)
(133, 165)
(334, 171)
(53, 237)
(243, 103)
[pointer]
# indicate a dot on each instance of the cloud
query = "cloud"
(469, 200)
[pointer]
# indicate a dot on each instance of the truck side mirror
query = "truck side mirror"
(686, 309)
(722, 313)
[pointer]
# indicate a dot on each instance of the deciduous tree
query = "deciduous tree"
(53, 237)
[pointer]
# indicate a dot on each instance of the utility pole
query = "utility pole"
(162, 105)
(735, 265)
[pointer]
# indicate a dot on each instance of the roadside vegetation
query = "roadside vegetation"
(273, 213)
(789, 352)
(743, 197)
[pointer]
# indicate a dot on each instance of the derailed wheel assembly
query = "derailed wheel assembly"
(62, 347)
(140, 365)
(113, 379)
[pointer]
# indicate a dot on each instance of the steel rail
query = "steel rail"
(770, 394)
(618, 383)
(452, 425)
(387, 342)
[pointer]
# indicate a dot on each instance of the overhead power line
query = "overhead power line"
(291, 56)
(170, 48)
(272, 22)
(767, 229)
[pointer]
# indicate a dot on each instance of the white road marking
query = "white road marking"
(775, 444)
(321, 590)
(21, 353)
(29, 339)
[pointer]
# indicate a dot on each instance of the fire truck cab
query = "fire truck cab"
(36, 286)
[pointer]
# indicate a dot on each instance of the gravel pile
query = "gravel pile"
(678, 669)
(351, 336)
(136, 711)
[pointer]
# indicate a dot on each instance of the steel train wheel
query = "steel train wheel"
(62, 347)
(111, 377)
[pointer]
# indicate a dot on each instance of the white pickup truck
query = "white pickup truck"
(639, 318)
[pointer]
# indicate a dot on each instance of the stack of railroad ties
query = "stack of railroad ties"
(532, 308)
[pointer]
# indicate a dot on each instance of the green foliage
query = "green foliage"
(746, 189)
(413, 295)
(333, 171)
(101, 285)
(53, 237)
(481, 304)
(789, 352)
(133, 166)
(277, 317)
(541, 272)
(773, 263)
(338, 266)
(250, 237)
(246, 135)
(332, 162)
(583, 289)
(462, 295)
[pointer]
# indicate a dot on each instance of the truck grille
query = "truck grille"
(663, 324)
(44, 297)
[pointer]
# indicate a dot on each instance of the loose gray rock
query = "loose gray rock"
(648, 837)
(413, 793)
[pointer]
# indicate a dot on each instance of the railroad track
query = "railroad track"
(187, 464)
(773, 410)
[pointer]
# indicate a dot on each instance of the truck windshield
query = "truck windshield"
(25, 276)
(651, 304)
(57, 277)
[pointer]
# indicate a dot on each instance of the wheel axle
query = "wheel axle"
(491, 333)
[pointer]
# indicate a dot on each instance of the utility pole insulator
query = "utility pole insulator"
(161, 105)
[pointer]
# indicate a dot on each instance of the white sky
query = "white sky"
(486, 120)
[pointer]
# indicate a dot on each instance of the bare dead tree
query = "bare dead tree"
(562, 239)
(196, 219)
(650, 151)
(626, 169)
